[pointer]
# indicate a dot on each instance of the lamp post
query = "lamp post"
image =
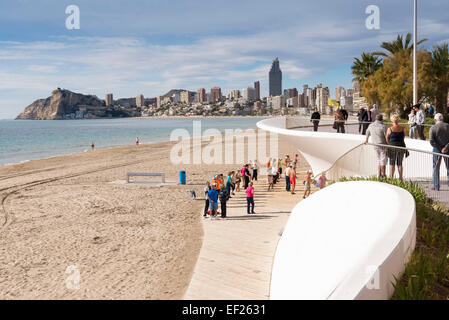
(415, 51)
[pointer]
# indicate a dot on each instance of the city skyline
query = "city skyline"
(145, 54)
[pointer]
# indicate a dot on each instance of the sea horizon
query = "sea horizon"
(26, 140)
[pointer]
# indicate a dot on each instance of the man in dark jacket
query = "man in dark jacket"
(439, 139)
(315, 119)
(367, 118)
(360, 117)
(224, 197)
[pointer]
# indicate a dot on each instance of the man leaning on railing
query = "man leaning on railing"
(439, 139)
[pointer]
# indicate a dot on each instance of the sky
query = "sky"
(151, 46)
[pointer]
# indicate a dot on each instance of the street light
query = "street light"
(415, 57)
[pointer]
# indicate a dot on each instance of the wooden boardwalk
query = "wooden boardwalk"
(237, 253)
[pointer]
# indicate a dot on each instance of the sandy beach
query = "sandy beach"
(128, 241)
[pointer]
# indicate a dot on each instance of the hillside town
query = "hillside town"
(65, 105)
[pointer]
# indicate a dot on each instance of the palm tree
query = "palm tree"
(440, 74)
(365, 67)
(398, 45)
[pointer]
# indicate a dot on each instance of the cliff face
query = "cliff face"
(61, 102)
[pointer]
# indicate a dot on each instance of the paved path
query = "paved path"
(237, 253)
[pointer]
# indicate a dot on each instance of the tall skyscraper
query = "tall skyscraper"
(215, 94)
(275, 79)
(140, 100)
(109, 99)
(257, 90)
(202, 97)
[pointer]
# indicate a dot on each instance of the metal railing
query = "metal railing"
(348, 126)
(428, 169)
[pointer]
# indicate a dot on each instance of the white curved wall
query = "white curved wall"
(323, 149)
(337, 239)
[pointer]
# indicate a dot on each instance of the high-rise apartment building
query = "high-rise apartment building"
(234, 95)
(257, 90)
(249, 94)
(109, 99)
(140, 100)
(202, 97)
(322, 99)
(339, 93)
(158, 101)
(275, 79)
(215, 94)
(185, 97)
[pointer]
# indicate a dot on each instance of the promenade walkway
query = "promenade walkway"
(237, 253)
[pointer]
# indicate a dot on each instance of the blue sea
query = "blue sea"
(24, 140)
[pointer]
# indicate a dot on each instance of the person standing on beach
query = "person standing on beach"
(250, 199)
(292, 179)
(206, 195)
(212, 195)
(137, 141)
(92, 145)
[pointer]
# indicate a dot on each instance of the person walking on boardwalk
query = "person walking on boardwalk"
(439, 140)
(377, 131)
(224, 197)
(287, 177)
(322, 180)
(412, 124)
(292, 179)
(360, 114)
(308, 184)
(206, 195)
(255, 170)
(250, 199)
(339, 121)
(367, 118)
(395, 137)
(420, 119)
(315, 119)
(247, 176)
